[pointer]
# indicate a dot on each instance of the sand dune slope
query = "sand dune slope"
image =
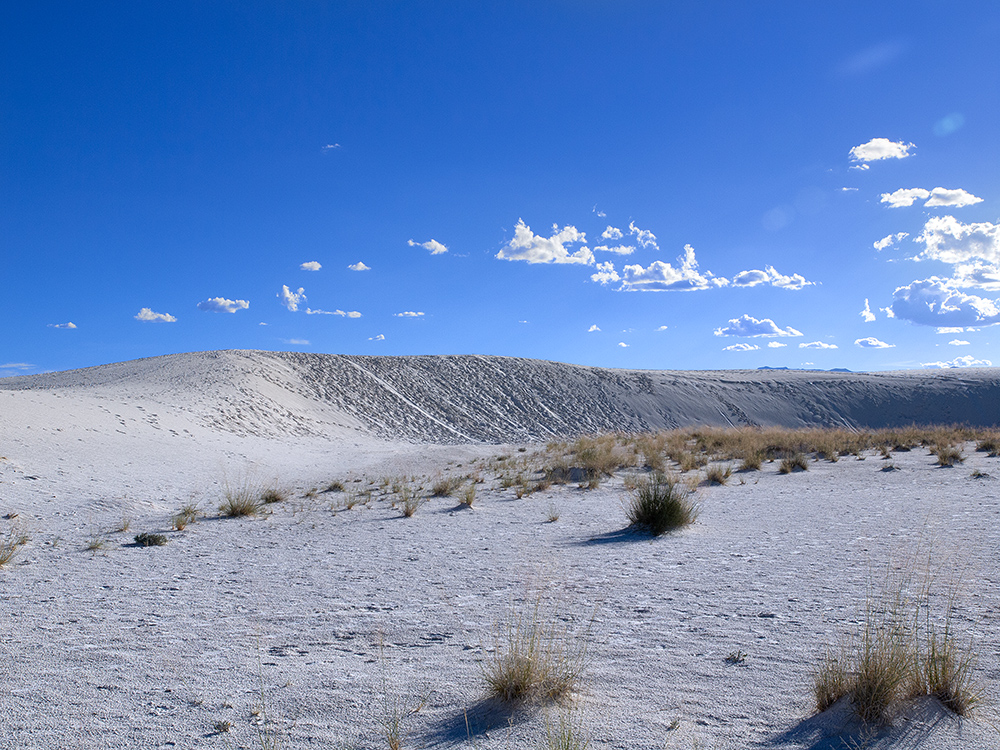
(454, 399)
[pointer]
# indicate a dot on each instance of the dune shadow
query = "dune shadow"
(627, 535)
(481, 717)
(839, 727)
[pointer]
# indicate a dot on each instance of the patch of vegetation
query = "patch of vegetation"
(446, 486)
(797, 462)
(145, 539)
(718, 474)
(661, 503)
(948, 455)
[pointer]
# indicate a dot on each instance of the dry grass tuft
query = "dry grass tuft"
(948, 455)
(9, 543)
(797, 462)
(533, 659)
(718, 474)
(446, 486)
(468, 496)
(661, 503)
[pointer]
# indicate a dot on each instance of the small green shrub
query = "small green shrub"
(146, 539)
(661, 503)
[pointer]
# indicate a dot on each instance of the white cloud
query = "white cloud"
(958, 198)
(958, 342)
(888, 311)
(147, 314)
(867, 313)
(967, 361)
(817, 345)
(534, 248)
(331, 147)
(854, 166)
(605, 273)
(434, 246)
(881, 148)
(935, 302)
(16, 366)
(223, 305)
(599, 213)
(750, 327)
(289, 298)
(775, 344)
(905, 197)
(954, 329)
(939, 196)
(612, 233)
(643, 236)
(973, 248)
(622, 344)
(619, 249)
(662, 277)
(662, 328)
(872, 343)
(380, 337)
(359, 266)
(67, 326)
(341, 313)
(740, 348)
(593, 328)
(311, 265)
(889, 239)
(408, 314)
(296, 342)
(848, 190)
(771, 277)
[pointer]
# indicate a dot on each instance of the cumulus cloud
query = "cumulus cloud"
(905, 197)
(359, 266)
(663, 277)
(958, 342)
(817, 345)
(939, 196)
(380, 337)
(740, 347)
(935, 302)
(619, 249)
(593, 328)
(775, 344)
(341, 313)
(434, 246)
(66, 326)
(973, 248)
(408, 314)
(967, 361)
(662, 328)
(771, 277)
(291, 299)
(606, 273)
(622, 344)
(872, 343)
(311, 265)
(881, 148)
(612, 233)
(888, 240)
(643, 236)
(533, 248)
(867, 313)
(953, 329)
(331, 147)
(223, 305)
(750, 327)
(148, 315)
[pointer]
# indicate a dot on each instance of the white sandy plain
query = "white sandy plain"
(332, 618)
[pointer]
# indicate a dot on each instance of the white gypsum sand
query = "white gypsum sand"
(335, 620)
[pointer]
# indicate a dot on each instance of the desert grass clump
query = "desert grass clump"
(564, 734)
(534, 659)
(408, 501)
(446, 486)
(273, 495)
(751, 461)
(900, 651)
(989, 444)
(797, 462)
(241, 498)
(718, 474)
(661, 503)
(184, 517)
(146, 539)
(10, 542)
(948, 455)
(468, 496)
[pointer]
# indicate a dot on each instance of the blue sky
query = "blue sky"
(696, 185)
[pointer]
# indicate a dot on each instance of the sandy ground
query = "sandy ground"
(332, 620)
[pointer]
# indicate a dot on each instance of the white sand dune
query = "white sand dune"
(330, 617)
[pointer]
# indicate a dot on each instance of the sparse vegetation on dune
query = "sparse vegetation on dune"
(661, 503)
